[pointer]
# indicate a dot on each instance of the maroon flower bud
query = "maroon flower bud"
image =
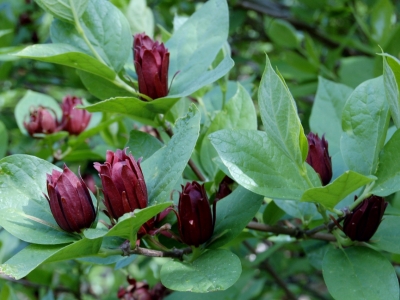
(224, 188)
(74, 120)
(151, 64)
(124, 188)
(141, 291)
(195, 221)
(363, 221)
(159, 291)
(25, 19)
(69, 200)
(318, 157)
(41, 120)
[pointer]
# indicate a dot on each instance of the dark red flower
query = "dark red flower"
(151, 61)
(41, 120)
(224, 188)
(69, 200)
(124, 187)
(318, 157)
(195, 221)
(74, 120)
(362, 223)
(141, 291)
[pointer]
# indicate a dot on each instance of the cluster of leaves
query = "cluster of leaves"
(215, 125)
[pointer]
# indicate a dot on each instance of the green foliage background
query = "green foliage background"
(309, 42)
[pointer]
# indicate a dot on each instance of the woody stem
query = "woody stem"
(174, 253)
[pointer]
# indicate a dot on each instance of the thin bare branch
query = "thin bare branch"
(294, 232)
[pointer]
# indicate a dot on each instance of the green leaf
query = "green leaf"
(87, 154)
(102, 88)
(272, 213)
(234, 212)
(282, 33)
(4, 32)
(315, 251)
(190, 83)
(305, 211)
(387, 236)
(142, 144)
(326, 114)
(25, 213)
(389, 168)
(279, 115)
(134, 107)
(140, 17)
(196, 43)
(7, 293)
(165, 167)
(359, 273)
(365, 120)
(331, 194)
(257, 162)
(237, 113)
(202, 275)
(64, 9)
(381, 20)
(391, 80)
(3, 140)
(53, 137)
(354, 70)
(130, 225)
(34, 255)
(101, 19)
(30, 100)
(67, 55)
(34, 224)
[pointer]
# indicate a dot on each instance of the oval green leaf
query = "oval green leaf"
(387, 236)
(331, 194)
(67, 55)
(163, 170)
(389, 168)
(359, 273)
(215, 270)
(237, 113)
(365, 120)
(234, 212)
(33, 256)
(279, 115)
(64, 9)
(99, 19)
(326, 113)
(192, 50)
(257, 162)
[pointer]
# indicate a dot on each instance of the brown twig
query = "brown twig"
(175, 253)
(294, 232)
(273, 273)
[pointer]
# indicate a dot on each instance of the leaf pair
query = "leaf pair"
(269, 163)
